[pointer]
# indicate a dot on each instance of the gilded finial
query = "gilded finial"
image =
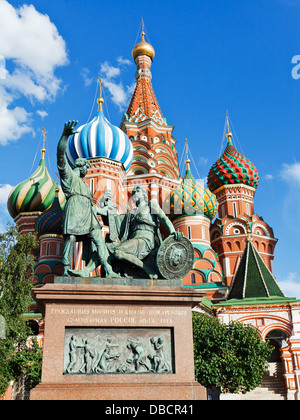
(187, 161)
(100, 100)
(143, 28)
(228, 134)
(143, 47)
(56, 188)
(248, 239)
(43, 150)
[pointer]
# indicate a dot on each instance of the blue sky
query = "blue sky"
(211, 56)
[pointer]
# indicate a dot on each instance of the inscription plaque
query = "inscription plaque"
(115, 350)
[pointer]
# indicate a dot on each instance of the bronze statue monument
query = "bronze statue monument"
(134, 247)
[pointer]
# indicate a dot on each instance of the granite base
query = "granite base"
(80, 305)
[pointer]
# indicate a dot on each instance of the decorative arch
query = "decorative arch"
(214, 277)
(238, 225)
(282, 325)
(260, 229)
(42, 268)
(203, 264)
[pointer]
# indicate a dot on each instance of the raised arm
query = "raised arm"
(68, 130)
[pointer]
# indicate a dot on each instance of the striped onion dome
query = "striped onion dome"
(34, 194)
(51, 220)
(232, 168)
(99, 138)
(192, 198)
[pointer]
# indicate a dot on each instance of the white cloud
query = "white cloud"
(42, 113)
(85, 75)
(268, 177)
(291, 172)
(31, 39)
(124, 61)
(202, 160)
(32, 46)
(14, 122)
(21, 82)
(119, 94)
(109, 71)
(5, 190)
(291, 285)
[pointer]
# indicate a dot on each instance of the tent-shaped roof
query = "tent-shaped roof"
(253, 279)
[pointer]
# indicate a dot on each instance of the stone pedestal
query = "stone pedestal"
(117, 339)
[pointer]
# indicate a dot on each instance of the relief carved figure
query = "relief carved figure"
(159, 360)
(104, 356)
(139, 357)
(124, 353)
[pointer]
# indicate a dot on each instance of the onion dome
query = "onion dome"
(51, 220)
(100, 138)
(143, 48)
(232, 168)
(34, 194)
(192, 198)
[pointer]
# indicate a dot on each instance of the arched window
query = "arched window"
(193, 278)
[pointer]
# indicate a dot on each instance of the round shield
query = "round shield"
(175, 258)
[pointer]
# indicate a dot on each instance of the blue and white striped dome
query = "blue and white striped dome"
(99, 138)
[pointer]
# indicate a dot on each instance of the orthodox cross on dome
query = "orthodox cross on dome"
(187, 155)
(43, 150)
(100, 100)
(56, 188)
(229, 134)
(188, 173)
(143, 26)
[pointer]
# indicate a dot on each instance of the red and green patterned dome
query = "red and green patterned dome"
(232, 168)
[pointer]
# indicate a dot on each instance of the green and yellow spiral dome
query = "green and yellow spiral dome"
(34, 194)
(192, 198)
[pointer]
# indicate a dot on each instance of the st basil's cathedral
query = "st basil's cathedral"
(233, 246)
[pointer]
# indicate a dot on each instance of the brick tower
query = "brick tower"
(233, 179)
(155, 161)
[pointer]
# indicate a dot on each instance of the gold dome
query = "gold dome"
(143, 48)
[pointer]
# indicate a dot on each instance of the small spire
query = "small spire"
(43, 150)
(188, 177)
(248, 239)
(100, 100)
(228, 134)
(187, 161)
(143, 29)
(56, 191)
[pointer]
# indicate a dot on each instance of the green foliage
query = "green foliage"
(16, 274)
(232, 357)
(28, 362)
